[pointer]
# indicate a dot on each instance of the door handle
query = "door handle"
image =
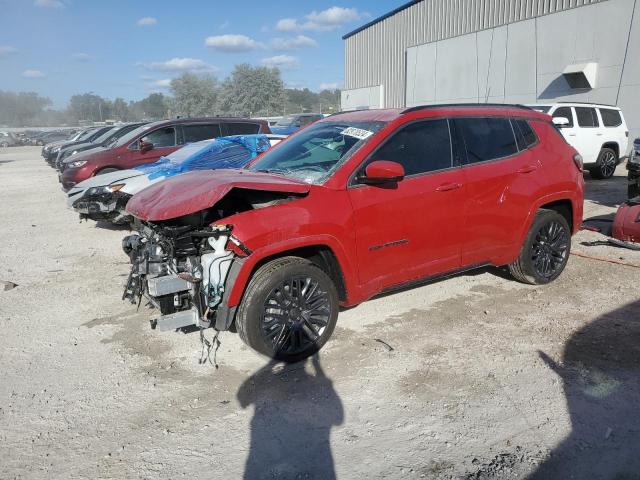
(447, 187)
(528, 169)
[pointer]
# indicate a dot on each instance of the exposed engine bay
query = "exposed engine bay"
(181, 266)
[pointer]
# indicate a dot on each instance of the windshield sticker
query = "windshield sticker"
(358, 133)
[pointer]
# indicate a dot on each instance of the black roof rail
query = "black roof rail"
(473, 105)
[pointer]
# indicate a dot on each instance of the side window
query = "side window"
(163, 137)
(610, 118)
(197, 133)
(242, 128)
(566, 113)
(420, 147)
(524, 134)
(586, 117)
(487, 138)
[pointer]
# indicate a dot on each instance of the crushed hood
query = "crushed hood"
(195, 191)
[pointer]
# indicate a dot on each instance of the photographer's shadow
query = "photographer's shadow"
(600, 370)
(294, 412)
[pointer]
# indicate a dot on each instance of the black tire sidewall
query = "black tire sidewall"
(260, 286)
(542, 218)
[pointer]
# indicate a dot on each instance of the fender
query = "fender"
(554, 197)
(249, 263)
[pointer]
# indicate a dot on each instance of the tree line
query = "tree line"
(248, 91)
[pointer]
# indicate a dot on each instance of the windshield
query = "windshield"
(125, 139)
(182, 154)
(86, 134)
(316, 152)
(285, 122)
(106, 135)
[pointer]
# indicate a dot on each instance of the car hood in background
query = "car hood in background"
(85, 154)
(195, 191)
(104, 180)
(283, 130)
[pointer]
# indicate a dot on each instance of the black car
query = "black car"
(634, 170)
(50, 152)
(107, 138)
(50, 137)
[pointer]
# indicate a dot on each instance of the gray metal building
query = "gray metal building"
(512, 51)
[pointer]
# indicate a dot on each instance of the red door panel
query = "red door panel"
(410, 231)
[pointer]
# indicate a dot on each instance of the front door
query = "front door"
(164, 141)
(411, 229)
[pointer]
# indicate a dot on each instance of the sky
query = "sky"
(131, 48)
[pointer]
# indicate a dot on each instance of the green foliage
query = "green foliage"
(252, 91)
(21, 109)
(194, 95)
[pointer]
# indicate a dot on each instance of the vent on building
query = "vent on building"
(581, 75)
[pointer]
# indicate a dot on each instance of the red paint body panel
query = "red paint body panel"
(195, 191)
(384, 236)
(626, 225)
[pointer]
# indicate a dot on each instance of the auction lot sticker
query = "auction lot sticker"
(358, 133)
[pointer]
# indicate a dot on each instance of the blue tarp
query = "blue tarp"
(224, 152)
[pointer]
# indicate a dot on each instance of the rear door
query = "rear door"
(496, 174)
(164, 140)
(413, 228)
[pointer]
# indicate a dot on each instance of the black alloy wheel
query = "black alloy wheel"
(550, 249)
(289, 309)
(295, 315)
(545, 251)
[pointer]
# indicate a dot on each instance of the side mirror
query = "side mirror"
(381, 172)
(561, 122)
(145, 146)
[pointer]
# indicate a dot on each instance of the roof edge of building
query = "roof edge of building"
(381, 18)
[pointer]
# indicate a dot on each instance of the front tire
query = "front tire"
(545, 251)
(289, 309)
(605, 165)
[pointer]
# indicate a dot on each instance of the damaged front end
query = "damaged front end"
(103, 205)
(183, 272)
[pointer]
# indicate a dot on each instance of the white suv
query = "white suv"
(598, 132)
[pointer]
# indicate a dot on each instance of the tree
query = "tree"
(90, 107)
(121, 109)
(194, 95)
(252, 91)
(21, 109)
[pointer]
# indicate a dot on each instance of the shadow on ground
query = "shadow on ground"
(294, 412)
(600, 370)
(611, 192)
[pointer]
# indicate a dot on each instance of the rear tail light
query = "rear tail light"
(577, 159)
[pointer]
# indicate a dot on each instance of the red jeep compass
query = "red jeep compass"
(354, 205)
(149, 142)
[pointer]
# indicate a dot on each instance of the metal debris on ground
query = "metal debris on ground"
(8, 285)
(386, 345)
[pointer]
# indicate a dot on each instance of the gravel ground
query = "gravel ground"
(475, 377)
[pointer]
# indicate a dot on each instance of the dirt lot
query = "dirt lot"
(474, 377)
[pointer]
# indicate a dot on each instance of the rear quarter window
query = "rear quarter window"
(610, 117)
(242, 128)
(525, 135)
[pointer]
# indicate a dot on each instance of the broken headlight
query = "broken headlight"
(116, 187)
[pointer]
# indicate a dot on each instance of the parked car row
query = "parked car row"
(238, 228)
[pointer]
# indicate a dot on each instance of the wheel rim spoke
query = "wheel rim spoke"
(549, 249)
(295, 315)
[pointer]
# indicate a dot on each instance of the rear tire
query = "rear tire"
(606, 164)
(545, 251)
(289, 309)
